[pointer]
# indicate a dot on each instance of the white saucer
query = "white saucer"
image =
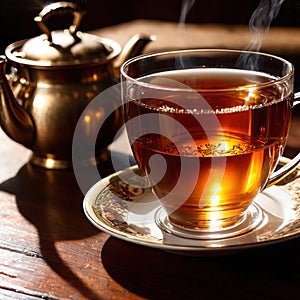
(131, 213)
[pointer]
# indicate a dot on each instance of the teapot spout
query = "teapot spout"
(133, 47)
(14, 119)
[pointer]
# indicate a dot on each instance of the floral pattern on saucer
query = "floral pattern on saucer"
(122, 208)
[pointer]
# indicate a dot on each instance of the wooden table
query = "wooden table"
(48, 249)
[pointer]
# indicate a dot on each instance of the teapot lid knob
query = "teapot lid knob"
(60, 8)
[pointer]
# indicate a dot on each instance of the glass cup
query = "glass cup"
(207, 129)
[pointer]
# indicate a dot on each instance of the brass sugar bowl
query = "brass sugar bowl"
(54, 77)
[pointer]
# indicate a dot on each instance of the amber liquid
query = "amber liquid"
(229, 141)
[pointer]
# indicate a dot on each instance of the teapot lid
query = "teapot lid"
(62, 47)
(65, 50)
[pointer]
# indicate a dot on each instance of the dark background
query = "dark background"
(16, 16)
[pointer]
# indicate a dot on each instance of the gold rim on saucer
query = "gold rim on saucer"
(120, 208)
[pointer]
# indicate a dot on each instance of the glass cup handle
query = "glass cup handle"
(291, 165)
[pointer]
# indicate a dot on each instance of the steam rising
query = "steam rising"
(260, 21)
(186, 6)
(259, 25)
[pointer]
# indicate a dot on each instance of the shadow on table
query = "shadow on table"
(269, 272)
(52, 201)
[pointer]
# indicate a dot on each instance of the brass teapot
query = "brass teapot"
(54, 76)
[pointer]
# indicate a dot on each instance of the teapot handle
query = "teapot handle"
(291, 165)
(60, 8)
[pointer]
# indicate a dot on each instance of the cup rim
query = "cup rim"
(272, 81)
